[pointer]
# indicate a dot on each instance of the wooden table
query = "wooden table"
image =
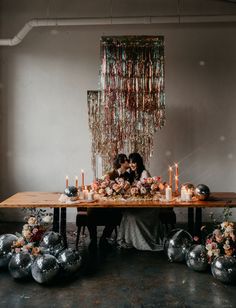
(50, 200)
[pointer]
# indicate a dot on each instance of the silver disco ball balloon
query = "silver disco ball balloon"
(202, 192)
(69, 260)
(177, 244)
(196, 258)
(52, 243)
(223, 268)
(20, 265)
(71, 191)
(6, 241)
(45, 268)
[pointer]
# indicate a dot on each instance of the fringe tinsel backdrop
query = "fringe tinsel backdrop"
(124, 116)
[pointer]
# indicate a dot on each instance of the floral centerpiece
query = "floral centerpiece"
(119, 188)
(37, 224)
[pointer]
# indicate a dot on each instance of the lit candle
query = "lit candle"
(67, 181)
(168, 193)
(76, 181)
(183, 193)
(176, 170)
(90, 195)
(170, 176)
(82, 178)
(176, 184)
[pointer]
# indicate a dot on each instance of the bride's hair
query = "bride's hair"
(137, 158)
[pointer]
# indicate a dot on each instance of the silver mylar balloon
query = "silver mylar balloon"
(69, 260)
(45, 268)
(6, 241)
(177, 244)
(223, 268)
(52, 243)
(202, 192)
(20, 265)
(196, 258)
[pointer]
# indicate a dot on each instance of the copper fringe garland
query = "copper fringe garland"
(130, 107)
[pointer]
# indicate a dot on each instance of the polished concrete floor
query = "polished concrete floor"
(121, 278)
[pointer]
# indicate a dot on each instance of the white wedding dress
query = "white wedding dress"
(141, 228)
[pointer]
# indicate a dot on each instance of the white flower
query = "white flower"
(109, 191)
(26, 227)
(143, 190)
(224, 224)
(226, 246)
(229, 229)
(209, 253)
(48, 219)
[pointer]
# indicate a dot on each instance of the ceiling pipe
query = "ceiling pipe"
(147, 20)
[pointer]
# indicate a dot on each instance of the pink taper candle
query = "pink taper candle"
(170, 176)
(176, 184)
(67, 181)
(76, 182)
(82, 178)
(176, 170)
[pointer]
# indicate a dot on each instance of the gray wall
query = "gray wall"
(44, 82)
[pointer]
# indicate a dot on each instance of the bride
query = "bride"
(140, 228)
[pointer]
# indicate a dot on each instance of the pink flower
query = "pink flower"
(155, 186)
(134, 191)
(35, 230)
(149, 180)
(209, 241)
(103, 184)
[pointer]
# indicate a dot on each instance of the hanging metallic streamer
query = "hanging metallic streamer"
(130, 107)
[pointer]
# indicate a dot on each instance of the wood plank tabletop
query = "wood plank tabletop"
(51, 200)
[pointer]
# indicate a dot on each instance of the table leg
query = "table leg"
(198, 222)
(63, 224)
(190, 220)
(56, 218)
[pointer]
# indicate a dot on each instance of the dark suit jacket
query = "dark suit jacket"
(115, 174)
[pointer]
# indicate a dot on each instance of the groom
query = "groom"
(111, 217)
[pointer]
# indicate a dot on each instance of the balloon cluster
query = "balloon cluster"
(53, 261)
(179, 247)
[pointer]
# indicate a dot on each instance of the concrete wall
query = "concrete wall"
(44, 83)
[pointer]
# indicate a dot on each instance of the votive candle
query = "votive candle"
(188, 195)
(168, 193)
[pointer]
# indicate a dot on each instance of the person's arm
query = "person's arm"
(144, 175)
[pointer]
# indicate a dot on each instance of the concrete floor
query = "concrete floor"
(122, 278)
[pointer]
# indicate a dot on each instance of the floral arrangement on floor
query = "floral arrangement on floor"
(148, 188)
(222, 241)
(37, 223)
